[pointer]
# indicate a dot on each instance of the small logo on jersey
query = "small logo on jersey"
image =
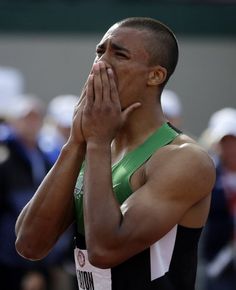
(78, 191)
(116, 185)
(81, 258)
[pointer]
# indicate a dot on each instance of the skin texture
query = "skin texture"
(120, 108)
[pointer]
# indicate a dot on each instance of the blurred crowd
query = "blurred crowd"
(31, 136)
(219, 239)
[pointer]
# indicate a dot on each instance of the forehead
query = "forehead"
(135, 40)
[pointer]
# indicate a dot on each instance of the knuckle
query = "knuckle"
(97, 109)
(107, 108)
(87, 111)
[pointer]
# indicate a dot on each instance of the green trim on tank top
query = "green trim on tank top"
(124, 169)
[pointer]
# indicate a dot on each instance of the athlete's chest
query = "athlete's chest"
(138, 178)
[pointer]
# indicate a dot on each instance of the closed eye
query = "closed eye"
(121, 54)
(99, 52)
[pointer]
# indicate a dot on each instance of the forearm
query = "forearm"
(101, 210)
(50, 210)
(102, 120)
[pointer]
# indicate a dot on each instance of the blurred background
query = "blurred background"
(47, 48)
(53, 44)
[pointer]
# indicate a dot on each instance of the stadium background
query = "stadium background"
(52, 42)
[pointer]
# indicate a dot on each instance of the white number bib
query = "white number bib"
(88, 276)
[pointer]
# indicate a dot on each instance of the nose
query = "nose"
(105, 57)
(107, 64)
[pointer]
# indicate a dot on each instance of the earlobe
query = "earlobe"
(157, 76)
(152, 78)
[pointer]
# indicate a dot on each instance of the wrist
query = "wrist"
(98, 155)
(76, 148)
(98, 145)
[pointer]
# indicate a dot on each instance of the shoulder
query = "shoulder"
(183, 167)
(181, 152)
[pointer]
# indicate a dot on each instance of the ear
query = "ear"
(157, 76)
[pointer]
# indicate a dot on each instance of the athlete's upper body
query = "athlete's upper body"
(118, 110)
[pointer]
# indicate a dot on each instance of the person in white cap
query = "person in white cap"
(219, 242)
(23, 165)
(12, 84)
(22, 168)
(58, 123)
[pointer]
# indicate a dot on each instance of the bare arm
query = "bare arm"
(177, 178)
(151, 211)
(50, 211)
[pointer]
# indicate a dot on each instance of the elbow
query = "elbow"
(26, 250)
(99, 261)
(102, 259)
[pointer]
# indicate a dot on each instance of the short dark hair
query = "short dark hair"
(162, 46)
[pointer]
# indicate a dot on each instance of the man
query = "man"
(56, 129)
(219, 239)
(23, 165)
(143, 193)
(22, 168)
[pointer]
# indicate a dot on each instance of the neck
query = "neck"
(138, 127)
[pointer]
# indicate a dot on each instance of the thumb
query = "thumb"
(129, 110)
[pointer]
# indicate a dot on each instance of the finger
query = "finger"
(97, 85)
(81, 100)
(90, 92)
(83, 93)
(106, 92)
(84, 89)
(113, 86)
(129, 110)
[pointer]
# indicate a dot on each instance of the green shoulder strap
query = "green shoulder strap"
(123, 170)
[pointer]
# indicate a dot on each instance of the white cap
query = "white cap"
(171, 104)
(222, 123)
(21, 105)
(11, 87)
(61, 109)
(11, 82)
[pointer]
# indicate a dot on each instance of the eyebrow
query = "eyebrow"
(114, 46)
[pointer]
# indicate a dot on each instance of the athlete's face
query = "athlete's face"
(123, 49)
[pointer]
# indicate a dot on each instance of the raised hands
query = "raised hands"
(102, 113)
(76, 135)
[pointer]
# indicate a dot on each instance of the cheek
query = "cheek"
(229, 149)
(127, 82)
(130, 84)
(35, 124)
(232, 152)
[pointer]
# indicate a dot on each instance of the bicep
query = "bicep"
(149, 214)
(160, 204)
(174, 183)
